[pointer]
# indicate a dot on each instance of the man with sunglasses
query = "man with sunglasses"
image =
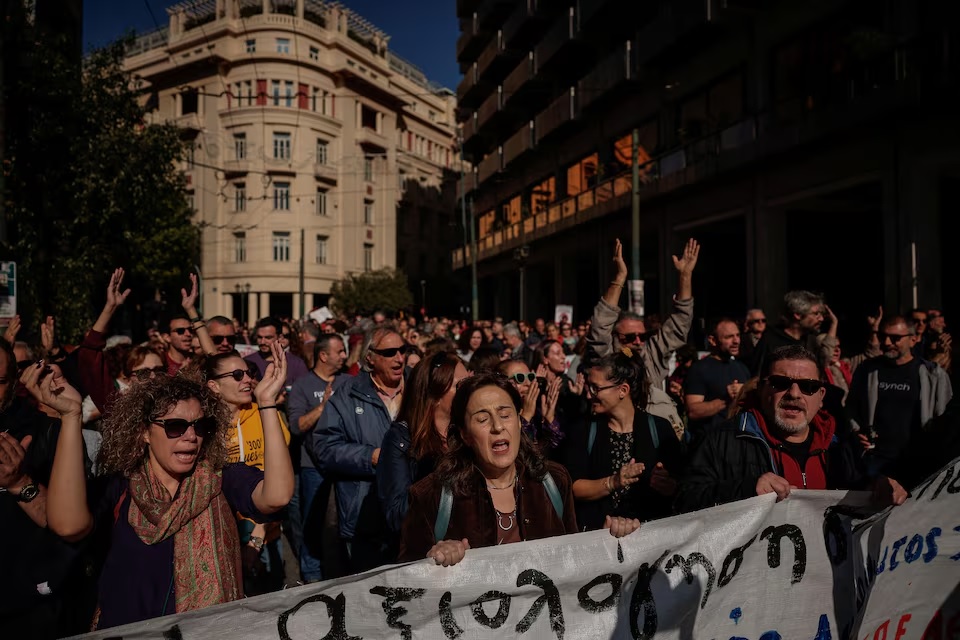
(780, 442)
(754, 327)
(177, 333)
(223, 333)
(346, 444)
(894, 395)
(611, 329)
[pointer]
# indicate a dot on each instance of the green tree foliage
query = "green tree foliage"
(90, 185)
(364, 293)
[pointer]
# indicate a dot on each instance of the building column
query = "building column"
(226, 305)
(300, 9)
(264, 305)
(297, 311)
(266, 7)
(253, 309)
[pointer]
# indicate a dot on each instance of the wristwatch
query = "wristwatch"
(27, 493)
(256, 542)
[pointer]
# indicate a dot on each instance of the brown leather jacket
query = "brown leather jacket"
(474, 517)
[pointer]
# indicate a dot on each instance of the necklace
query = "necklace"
(511, 519)
(512, 482)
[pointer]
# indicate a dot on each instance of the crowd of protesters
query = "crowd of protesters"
(143, 480)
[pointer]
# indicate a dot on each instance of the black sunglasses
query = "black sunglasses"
(392, 351)
(237, 374)
(782, 383)
(176, 427)
(143, 374)
(231, 339)
(520, 378)
(629, 338)
(894, 337)
(182, 330)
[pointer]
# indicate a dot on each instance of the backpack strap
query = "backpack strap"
(653, 431)
(591, 438)
(554, 494)
(443, 514)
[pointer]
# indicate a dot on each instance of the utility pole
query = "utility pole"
(303, 312)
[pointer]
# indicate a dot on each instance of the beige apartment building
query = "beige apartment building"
(308, 135)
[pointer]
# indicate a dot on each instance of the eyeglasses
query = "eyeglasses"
(630, 338)
(230, 339)
(182, 330)
(593, 389)
(237, 374)
(392, 351)
(176, 427)
(893, 337)
(783, 383)
(143, 374)
(757, 321)
(520, 378)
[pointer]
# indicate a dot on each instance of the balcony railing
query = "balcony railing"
(470, 127)
(490, 107)
(491, 165)
(677, 19)
(519, 143)
(561, 111)
(521, 16)
(490, 53)
(521, 74)
(615, 69)
(562, 32)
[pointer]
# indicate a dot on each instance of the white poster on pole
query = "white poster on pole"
(8, 290)
(636, 297)
(563, 313)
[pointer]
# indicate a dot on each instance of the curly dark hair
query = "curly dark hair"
(621, 368)
(123, 449)
(457, 468)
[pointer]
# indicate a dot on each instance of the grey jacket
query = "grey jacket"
(655, 353)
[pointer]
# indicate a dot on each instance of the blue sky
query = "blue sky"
(423, 31)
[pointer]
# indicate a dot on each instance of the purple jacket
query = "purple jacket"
(137, 579)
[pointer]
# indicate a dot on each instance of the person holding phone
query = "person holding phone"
(166, 516)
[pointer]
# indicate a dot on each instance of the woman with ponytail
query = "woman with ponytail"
(624, 461)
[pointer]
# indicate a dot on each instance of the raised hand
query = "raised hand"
(628, 474)
(621, 275)
(688, 261)
(48, 385)
(874, 321)
(548, 406)
(12, 454)
(831, 315)
(662, 482)
(189, 300)
(115, 297)
(10, 335)
(530, 399)
(48, 334)
(274, 378)
(576, 387)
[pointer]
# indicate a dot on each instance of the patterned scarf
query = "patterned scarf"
(206, 548)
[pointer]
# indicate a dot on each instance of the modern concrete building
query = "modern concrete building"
(309, 137)
(805, 144)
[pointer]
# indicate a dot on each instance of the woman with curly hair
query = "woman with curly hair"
(167, 513)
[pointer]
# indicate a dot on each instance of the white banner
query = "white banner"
(815, 566)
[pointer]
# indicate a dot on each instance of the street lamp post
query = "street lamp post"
(243, 290)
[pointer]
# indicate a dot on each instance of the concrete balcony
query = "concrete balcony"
(490, 108)
(517, 145)
(237, 167)
(563, 33)
(522, 23)
(370, 139)
(490, 165)
(325, 173)
(679, 20)
(187, 121)
(562, 111)
(492, 13)
(518, 79)
(471, 40)
(612, 72)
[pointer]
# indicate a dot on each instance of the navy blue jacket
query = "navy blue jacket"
(397, 471)
(351, 427)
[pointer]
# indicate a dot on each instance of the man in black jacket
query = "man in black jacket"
(781, 441)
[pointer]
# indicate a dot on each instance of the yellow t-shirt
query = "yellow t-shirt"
(245, 437)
